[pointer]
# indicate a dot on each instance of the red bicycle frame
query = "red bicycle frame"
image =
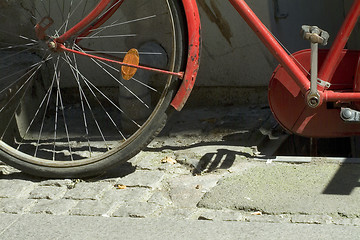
(331, 63)
(296, 74)
(329, 66)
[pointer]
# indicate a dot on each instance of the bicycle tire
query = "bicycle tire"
(65, 123)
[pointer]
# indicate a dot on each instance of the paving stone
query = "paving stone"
(216, 215)
(58, 183)
(90, 208)
(147, 179)
(55, 207)
(88, 190)
(15, 188)
(160, 198)
(311, 219)
(268, 218)
(126, 195)
(48, 192)
(153, 161)
(343, 221)
(356, 221)
(182, 170)
(149, 160)
(16, 206)
(136, 210)
(179, 213)
(187, 191)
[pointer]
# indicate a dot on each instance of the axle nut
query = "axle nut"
(52, 45)
(347, 114)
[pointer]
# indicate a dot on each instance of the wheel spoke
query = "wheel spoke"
(91, 110)
(109, 36)
(91, 85)
(144, 84)
(114, 78)
(95, 120)
(16, 46)
(34, 69)
(17, 53)
(56, 112)
(98, 30)
(63, 114)
(21, 71)
(77, 78)
(70, 14)
(45, 110)
(28, 83)
(104, 109)
(46, 97)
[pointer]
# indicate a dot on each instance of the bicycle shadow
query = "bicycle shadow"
(221, 159)
(345, 180)
(238, 144)
(207, 157)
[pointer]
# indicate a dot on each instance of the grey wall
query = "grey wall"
(233, 56)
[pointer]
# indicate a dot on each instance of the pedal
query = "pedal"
(315, 35)
(350, 115)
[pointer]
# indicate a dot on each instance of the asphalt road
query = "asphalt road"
(75, 227)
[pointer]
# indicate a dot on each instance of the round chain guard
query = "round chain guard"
(289, 106)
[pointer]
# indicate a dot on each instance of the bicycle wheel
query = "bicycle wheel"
(68, 115)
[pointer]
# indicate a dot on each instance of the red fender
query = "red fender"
(193, 61)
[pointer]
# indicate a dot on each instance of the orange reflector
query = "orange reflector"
(131, 57)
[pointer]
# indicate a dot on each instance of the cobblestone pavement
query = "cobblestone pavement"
(174, 177)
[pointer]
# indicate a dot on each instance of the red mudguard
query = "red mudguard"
(193, 61)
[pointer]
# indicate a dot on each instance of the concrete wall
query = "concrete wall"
(233, 56)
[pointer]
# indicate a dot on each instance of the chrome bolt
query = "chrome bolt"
(347, 114)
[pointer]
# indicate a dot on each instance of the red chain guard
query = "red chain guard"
(290, 109)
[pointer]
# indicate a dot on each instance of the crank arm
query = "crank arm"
(176, 74)
(316, 36)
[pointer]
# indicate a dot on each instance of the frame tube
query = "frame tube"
(331, 96)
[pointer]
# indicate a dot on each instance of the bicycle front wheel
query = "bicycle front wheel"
(64, 114)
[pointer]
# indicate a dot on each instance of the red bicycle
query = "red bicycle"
(87, 84)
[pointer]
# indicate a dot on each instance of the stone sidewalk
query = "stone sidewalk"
(205, 165)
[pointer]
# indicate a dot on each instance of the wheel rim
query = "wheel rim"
(57, 111)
